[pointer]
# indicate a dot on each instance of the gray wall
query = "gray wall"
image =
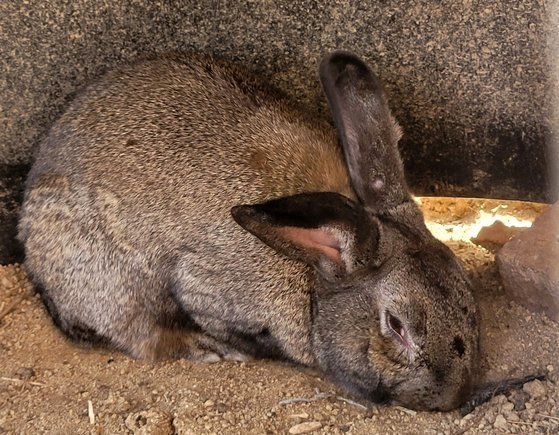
(468, 79)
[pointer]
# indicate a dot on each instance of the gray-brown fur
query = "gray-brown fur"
(133, 229)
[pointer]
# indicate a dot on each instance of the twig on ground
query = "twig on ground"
(90, 412)
(351, 402)
(406, 410)
(318, 396)
(21, 381)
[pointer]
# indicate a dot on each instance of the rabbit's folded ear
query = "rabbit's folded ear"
(367, 130)
(326, 230)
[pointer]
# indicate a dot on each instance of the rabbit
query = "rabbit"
(183, 208)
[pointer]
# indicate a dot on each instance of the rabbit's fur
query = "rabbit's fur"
(136, 234)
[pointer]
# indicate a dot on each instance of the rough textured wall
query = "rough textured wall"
(467, 79)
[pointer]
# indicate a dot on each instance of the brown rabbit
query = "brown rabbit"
(136, 236)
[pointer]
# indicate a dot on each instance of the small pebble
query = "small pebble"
(302, 415)
(507, 407)
(307, 427)
(500, 422)
(149, 422)
(209, 403)
(498, 400)
(222, 407)
(535, 388)
(489, 416)
(520, 398)
(25, 373)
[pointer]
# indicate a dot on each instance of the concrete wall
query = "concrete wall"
(468, 79)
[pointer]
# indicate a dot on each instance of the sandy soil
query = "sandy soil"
(48, 385)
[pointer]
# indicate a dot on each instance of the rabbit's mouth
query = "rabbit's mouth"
(378, 394)
(362, 386)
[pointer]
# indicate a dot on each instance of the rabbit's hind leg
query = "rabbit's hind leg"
(168, 343)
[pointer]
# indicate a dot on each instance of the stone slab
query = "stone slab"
(529, 265)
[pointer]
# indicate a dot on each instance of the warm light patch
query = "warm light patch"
(466, 231)
(471, 215)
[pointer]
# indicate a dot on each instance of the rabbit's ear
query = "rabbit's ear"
(326, 230)
(368, 131)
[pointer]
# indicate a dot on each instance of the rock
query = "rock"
(508, 406)
(302, 415)
(307, 427)
(498, 400)
(495, 235)
(500, 422)
(221, 407)
(25, 373)
(519, 400)
(489, 416)
(150, 422)
(535, 389)
(528, 265)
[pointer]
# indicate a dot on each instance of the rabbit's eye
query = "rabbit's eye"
(397, 327)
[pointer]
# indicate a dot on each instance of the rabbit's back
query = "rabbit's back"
(135, 182)
(178, 141)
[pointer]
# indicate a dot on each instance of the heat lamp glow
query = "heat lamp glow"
(467, 230)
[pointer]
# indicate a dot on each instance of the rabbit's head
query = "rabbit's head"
(392, 308)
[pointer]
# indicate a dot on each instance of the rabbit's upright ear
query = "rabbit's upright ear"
(368, 131)
(326, 230)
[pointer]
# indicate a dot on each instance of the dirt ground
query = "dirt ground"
(49, 385)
